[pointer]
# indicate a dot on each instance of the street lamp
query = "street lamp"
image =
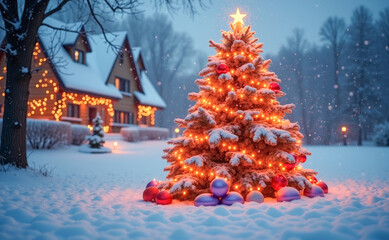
(344, 133)
(177, 131)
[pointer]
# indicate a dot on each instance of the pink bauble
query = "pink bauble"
(275, 87)
(163, 198)
(152, 184)
(222, 68)
(150, 193)
(279, 181)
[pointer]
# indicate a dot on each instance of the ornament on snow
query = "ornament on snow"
(287, 194)
(275, 87)
(323, 186)
(222, 68)
(255, 196)
(312, 179)
(231, 198)
(206, 199)
(163, 198)
(314, 191)
(279, 181)
(219, 187)
(302, 158)
(150, 193)
(152, 184)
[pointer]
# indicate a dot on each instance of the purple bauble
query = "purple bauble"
(323, 186)
(315, 191)
(231, 198)
(287, 194)
(255, 196)
(206, 199)
(219, 187)
(152, 184)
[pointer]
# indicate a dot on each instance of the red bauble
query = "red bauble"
(222, 68)
(323, 186)
(289, 166)
(275, 87)
(302, 158)
(150, 193)
(312, 179)
(163, 198)
(279, 181)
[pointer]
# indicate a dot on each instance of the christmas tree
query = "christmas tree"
(96, 140)
(237, 129)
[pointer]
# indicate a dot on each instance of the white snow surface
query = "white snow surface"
(100, 197)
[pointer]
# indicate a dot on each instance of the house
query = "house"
(77, 75)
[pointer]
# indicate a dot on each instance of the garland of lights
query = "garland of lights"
(145, 111)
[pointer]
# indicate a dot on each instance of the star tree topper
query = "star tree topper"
(238, 18)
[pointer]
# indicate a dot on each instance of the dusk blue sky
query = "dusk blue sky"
(272, 20)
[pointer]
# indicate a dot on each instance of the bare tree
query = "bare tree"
(333, 31)
(21, 24)
(298, 44)
(362, 75)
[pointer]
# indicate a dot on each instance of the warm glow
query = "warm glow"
(344, 129)
(238, 17)
(177, 130)
(115, 144)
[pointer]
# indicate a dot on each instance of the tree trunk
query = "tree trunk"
(301, 99)
(13, 149)
(360, 135)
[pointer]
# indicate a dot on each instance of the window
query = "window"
(123, 117)
(122, 84)
(73, 110)
(79, 56)
(1, 109)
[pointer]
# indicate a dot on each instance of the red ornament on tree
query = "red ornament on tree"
(302, 158)
(312, 179)
(222, 68)
(289, 166)
(163, 198)
(275, 87)
(279, 181)
(150, 193)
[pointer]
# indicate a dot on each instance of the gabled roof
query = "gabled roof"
(149, 95)
(89, 77)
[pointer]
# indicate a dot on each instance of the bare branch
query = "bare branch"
(59, 28)
(56, 9)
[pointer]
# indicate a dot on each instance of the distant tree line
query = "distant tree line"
(342, 82)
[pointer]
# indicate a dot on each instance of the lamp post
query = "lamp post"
(344, 133)
(177, 131)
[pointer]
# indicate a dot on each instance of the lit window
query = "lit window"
(79, 56)
(123, 117)
(122, 84)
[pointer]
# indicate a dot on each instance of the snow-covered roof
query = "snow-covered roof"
(150, 96)
(90, 77)
(135, 53)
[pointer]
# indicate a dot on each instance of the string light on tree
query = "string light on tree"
(237, 129)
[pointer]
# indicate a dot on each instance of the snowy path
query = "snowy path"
(99, 196)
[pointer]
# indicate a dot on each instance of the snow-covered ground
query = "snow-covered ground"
(99, 197)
